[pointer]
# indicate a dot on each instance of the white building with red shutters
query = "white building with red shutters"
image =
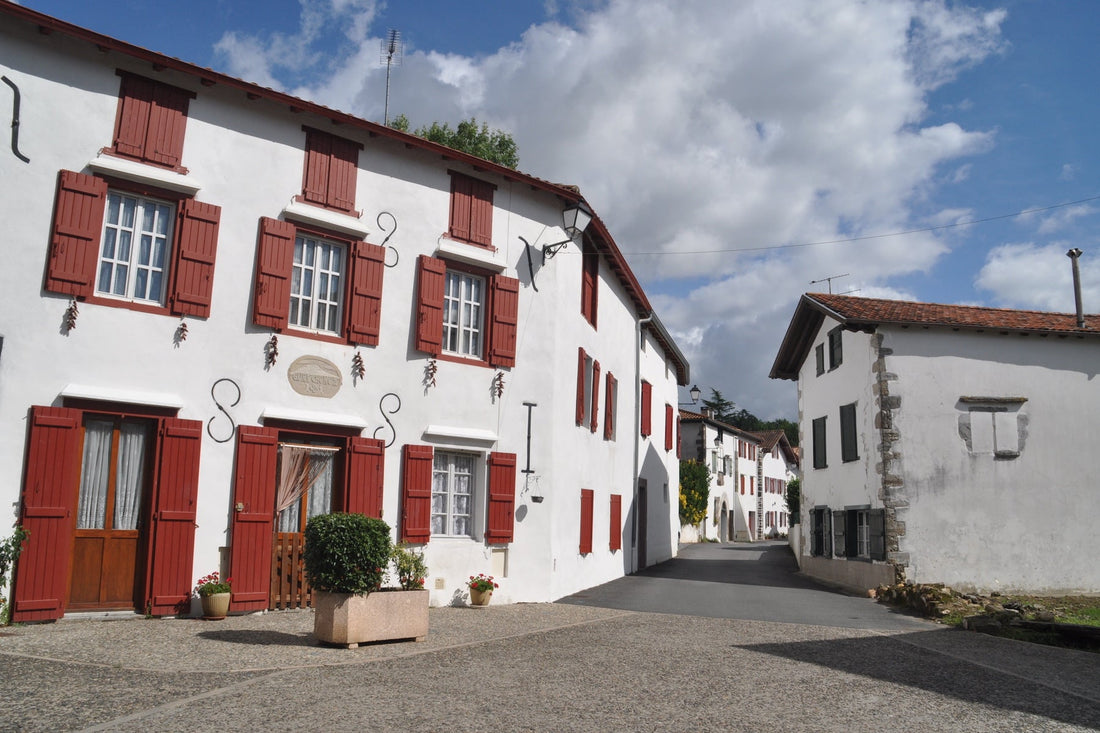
(231, 309)
(777, 464)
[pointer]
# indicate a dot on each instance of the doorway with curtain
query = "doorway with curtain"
(112, 520)
(308, 470)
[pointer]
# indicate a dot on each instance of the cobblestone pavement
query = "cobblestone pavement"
(537, 667)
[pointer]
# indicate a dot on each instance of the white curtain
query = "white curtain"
(302, 469)
(95, 473)
(130, 473)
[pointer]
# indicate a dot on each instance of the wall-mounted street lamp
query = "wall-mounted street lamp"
(575, 219)
(694, 393)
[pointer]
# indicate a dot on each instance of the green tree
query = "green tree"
(794, 499)
(491, 144)
(721, 408)
(694, 491)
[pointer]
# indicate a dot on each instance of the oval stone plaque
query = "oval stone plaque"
(314, 376)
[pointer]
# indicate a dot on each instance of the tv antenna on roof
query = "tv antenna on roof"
(392, 49)
(830, 281)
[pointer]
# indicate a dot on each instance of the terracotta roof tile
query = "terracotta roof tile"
(878, 310)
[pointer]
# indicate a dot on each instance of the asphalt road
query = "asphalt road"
(754, 582)
(725, 638)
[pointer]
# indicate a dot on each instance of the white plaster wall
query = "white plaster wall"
(248, 156)
(975, 521)
(840, 484)
(774, 467)
(659, 467)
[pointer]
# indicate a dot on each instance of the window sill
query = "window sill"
(325, 218)
(316, 418)
(330, 338)
(133, 171)
(471, 254)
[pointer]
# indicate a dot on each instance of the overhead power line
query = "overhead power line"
(875, 236)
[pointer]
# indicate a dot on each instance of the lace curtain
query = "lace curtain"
(303, 469)
(95, 474)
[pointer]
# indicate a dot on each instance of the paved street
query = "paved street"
(747, 662)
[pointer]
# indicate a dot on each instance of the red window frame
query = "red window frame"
(76, 238)
(471, 219)
(647, 409)
(611, 398)
(330, 171)
(362, 304)
(616, 528)
(588, 497)
(590, 282)
(150, 122)
(500, 318)
(668, 427)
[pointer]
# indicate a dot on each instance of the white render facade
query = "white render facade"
(211, 378)
(963, 461)
(732, 455)
(778, 465)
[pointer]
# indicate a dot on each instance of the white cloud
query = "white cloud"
(1039, 277)
(1069, 172)
(697, 126)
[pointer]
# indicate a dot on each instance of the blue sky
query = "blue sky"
(713, 136)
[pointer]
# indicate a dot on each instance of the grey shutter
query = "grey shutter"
(876, 529)
(838, 533)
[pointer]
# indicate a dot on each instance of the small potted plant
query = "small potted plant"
(346, 557)
(214, 594)
(481, 589)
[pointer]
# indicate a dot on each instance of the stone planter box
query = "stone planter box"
(350, 620)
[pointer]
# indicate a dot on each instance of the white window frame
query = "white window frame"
(464, 329)
(449, 513)
(311, 285)
(863, 534)
(130, 267)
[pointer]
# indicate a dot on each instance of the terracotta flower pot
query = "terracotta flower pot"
(480, 597)
(215, 606)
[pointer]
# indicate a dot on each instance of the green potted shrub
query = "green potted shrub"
(346, 558)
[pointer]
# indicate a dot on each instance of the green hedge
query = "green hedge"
(346, 553)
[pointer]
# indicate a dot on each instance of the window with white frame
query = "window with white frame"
(317, 284)
(463, 306)
(133, 257)
(863, 536)
(453, 476)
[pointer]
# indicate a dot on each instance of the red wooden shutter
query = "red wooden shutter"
(679, 438)
(430, 283)
(580, 385)
(135, 98)
(275, 261)
(502, 334)
(365, 306)
(461, 196)
(502, 498)
(590, 269)
(647, 409)
(315, 174)
(416, 494)
(193, 267)
(253, 522)
(173, 540)
(587, 500)
(616, 522)
(343, 168)
(366, 462)
(481, 212)
(595, 394)
(668, 427)
(167, 125)
(77, 229)
(609, 407)
(49, 500)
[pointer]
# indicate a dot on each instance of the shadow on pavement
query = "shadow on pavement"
(1068, 698)
(260, 637)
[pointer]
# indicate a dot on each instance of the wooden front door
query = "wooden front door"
(112, 505)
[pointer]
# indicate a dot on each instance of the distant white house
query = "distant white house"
(777, 465)
(224, 309)
(731, 455)
(946, 444)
